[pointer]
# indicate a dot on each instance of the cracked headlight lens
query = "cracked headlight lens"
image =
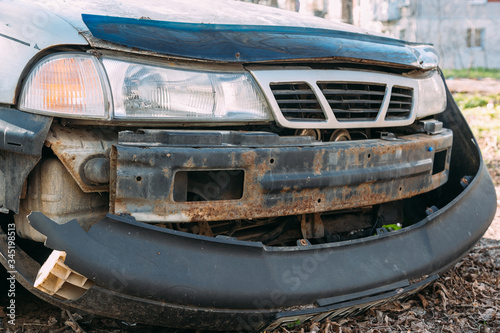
(143, 91)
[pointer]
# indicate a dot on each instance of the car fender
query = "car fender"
(26, 30)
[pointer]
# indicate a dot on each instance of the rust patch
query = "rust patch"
(167, 172)
(249, 157)
(73, 147)
(318, 162)
(189, 164)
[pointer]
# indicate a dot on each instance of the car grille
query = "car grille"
(353, 101)
(297, 101)
(338, 98)
(401, 102)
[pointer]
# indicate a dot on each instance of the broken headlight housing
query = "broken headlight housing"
(82, 86)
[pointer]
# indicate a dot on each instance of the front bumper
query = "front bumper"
(202, 282)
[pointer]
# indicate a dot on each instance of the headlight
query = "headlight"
(431, 96)
(154, 92)
(431, 90)
(67, 84)
(80, 85)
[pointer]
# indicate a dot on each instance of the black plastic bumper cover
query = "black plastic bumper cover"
(168, 271)
(22, 136)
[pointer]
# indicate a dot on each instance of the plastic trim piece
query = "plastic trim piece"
(22, 132)
(22, 136)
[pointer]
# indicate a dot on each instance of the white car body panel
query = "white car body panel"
(26, 30)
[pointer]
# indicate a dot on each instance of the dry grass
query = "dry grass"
(484, 120)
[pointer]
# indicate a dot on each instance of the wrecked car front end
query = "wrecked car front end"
(234, 177)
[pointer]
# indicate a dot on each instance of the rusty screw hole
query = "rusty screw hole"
(303, 242)
(138, 178)
(319, 200)
(271, 160)
(400, 189)
(369, 155)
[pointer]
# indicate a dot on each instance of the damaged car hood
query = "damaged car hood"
(225, 31)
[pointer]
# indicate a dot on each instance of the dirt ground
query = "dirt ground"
(466, 299)
(485, 86)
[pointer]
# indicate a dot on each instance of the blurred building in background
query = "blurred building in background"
(465, 32)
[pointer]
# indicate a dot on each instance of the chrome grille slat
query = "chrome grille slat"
(353, 92)
(400, 102)
(287, 92)
(399, 95)
(353, 101)
(398, 110)
(293, 101)
(355, 111)
(301, 110)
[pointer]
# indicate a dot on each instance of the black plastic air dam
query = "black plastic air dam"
(423, 249)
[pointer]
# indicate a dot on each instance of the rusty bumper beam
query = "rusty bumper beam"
(244, 176)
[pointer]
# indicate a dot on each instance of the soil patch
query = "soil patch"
(484, 86)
